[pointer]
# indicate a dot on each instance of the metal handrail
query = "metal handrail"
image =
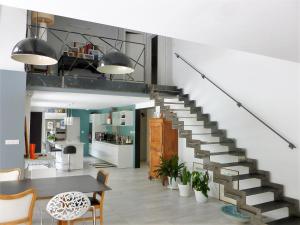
(239, 104)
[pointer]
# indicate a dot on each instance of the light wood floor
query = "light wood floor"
(134, 200)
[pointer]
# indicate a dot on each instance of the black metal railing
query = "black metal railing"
(238, 103)
(66, 37)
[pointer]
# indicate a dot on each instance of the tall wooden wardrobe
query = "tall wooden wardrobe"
(163, 141)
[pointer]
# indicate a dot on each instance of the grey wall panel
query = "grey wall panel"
(12, 114)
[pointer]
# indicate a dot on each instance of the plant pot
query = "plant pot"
(184, 190)
(172, 183)
(200, 198)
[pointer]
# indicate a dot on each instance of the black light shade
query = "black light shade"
(34, 51)
(115, 63)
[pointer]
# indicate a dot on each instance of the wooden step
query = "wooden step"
(269, 206)
(292, 220)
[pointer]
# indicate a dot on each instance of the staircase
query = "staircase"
(255, 194)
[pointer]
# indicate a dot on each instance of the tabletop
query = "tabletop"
(49, 187)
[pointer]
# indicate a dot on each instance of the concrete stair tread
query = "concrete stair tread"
(269, 206)
(248, 176)
(173, 103)
(183, 110)
(246, 164)
(259, 190)
(292, 220)
(232, 153)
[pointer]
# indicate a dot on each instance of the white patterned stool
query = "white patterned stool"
(68, 206)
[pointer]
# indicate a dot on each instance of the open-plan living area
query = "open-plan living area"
(150, 112)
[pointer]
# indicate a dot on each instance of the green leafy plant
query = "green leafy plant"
(169, 168)
(185, 176)
(164, 168)
(200, 182)
(51, 137)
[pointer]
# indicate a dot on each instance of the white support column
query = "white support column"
(13, 30)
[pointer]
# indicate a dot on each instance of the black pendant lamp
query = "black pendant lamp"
(115, 63)
(34, 51)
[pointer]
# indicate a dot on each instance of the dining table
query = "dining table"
(47, 188)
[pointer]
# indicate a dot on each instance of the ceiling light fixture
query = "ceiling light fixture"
(115, 63)
(34, 51)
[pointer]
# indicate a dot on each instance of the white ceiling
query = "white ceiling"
(266, 27)
(47, 99)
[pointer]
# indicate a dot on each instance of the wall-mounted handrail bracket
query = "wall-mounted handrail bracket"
(239, 104)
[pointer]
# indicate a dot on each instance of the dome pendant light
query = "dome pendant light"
(34, 51)
(115, 63)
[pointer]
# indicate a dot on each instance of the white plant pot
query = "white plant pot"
(184, 190)
(172, 183)
(200, 198)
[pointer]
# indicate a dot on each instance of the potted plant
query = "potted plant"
(175, 169)
(171, 169)
(200, 186)
(163, 170)
(184, 187)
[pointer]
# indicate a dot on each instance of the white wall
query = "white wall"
(269, 87)
(266, 27)
(13, 30)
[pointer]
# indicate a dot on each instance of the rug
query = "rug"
(102, 164)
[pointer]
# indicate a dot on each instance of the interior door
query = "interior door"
(36, 130)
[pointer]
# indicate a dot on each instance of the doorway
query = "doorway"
(142, 117)
(154, 57)
(36, 130)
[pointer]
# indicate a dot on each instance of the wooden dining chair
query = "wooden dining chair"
(97, 201)
(18, 208)
(10, 174)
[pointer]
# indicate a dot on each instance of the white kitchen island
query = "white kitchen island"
(76, 160)
(120, 155)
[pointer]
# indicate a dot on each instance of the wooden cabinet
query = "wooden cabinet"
(163, 141)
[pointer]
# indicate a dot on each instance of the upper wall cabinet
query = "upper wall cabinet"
(122, 118)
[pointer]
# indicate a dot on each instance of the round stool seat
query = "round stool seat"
(68, 206)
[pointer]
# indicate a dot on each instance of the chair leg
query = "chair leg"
(69, 163)
(101, 216)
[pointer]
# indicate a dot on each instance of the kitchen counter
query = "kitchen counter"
(76, 160)
(121, 155)
(114, 143)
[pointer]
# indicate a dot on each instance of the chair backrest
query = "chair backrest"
(17, 208)
(102, 177)
(10, 174)
(70, 149)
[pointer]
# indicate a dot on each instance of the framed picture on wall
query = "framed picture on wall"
(62, 124)
(50, 125)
